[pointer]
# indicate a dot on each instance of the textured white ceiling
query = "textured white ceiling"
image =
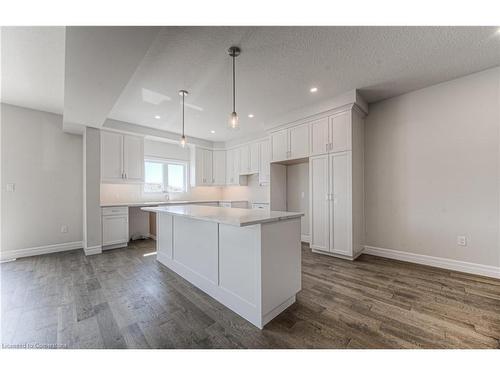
(33, 67)
(278, 65)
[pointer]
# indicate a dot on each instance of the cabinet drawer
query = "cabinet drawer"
(108, 211)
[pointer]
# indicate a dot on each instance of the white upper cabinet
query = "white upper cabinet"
(320, 142)
(279, 145)
(133, 158)
(122, 158)
(207, 172)
(292, 143)
(254, 157)
(233, 176)
(265, 162)
(340, 132)
(219, 167)
(245, 159)
(111, 156)
(201, 167)
(299, 142)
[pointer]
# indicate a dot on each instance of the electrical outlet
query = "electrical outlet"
(461, 240)
(11, 187)
(64, 229)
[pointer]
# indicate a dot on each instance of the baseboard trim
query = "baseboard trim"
(305, 238)
(449, 264)
(39, 250)
(93, 250)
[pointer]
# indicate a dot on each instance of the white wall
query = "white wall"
(252, 192)
(119, 193)
(297, 192)
(45, 164)
(432, 170)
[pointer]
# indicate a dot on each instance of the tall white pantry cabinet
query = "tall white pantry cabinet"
(336, 184)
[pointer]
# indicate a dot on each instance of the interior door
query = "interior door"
(319, 136)
(111, 156)
(279, 145)
(340, 226)
(319, 202)
(133, 158)
(299, 142)
(219, 167)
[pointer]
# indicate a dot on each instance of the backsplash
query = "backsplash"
(124, 193)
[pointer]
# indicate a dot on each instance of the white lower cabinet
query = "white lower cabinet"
(115, 231)
(332, 225)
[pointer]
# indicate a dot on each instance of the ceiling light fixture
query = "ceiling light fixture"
(183, 93)
(250, 115)
(212, 131)
(313, 89)
(157, 117)
(233, 118)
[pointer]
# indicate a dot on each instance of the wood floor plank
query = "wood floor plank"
(120, 299)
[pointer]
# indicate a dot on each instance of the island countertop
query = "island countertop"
(240, 217)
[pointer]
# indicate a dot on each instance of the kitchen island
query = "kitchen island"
(247, 259)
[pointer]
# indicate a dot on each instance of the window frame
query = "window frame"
(165, 163)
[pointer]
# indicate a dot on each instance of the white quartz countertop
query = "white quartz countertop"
(240, 217)
(164, 203)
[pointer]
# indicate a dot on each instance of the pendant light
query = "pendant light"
(233, 118)
(182, 142)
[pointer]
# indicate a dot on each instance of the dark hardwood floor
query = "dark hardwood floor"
(121, 299)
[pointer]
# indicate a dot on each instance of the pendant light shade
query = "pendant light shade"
(182, 142)
(233, 117)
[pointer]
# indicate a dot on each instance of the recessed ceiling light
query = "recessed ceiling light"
(212, 131)
(498, 31)
(313, 89)
(157, 117)
(250, 115)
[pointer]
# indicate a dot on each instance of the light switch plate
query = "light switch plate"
(11, 187)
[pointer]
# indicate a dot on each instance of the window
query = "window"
(162, 176)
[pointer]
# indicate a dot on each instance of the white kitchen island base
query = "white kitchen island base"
(253, 269)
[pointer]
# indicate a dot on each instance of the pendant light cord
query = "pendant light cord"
(183, 95)
(234, 83)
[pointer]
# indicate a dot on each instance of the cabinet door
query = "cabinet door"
(244, 159)
(111, 156)
(207, 167)
(236, 165)
(340, 226)
(319, 136)
(229, 167)
(219, 167)
(299, 142)
(319, 202)
(114, 230)
(340, 132)
(198, 172)
(265, 160)
(279, 145)
(254, 157)
(133, 158)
